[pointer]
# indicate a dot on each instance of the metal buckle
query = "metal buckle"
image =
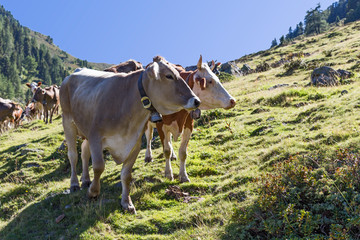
(146, 102)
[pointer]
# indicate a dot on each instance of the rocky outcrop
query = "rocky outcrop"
(231, 68)
(324, 76)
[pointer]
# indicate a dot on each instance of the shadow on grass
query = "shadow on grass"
(40, 220)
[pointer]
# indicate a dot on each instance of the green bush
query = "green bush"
(305, 197)
(226, 77)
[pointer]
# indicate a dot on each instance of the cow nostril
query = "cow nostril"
(232, 102)
(196, 102)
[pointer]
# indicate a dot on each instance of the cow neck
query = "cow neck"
(155, 116)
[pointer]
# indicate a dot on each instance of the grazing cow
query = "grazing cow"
(49, 98)
(31, 112)
(37, 106)
(108, 111)
(125, 67)
(212, 94)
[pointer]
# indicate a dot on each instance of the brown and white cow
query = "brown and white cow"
(106, 109)
(38, 107)
(50, 99)
(31, 112)
(9, 113)
(125, 67)
(206, 85)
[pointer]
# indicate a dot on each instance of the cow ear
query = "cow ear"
(199, 63)
(153, 71)
(39, 84)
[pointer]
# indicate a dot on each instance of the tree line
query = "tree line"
(23, 59)
(317, 21)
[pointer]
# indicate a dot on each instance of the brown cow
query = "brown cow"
(50, 99)
(106, 109)
(125, 67)
(207, 87)
(8, 113)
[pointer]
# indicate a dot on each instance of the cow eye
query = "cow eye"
(169, 76)
(210, 82)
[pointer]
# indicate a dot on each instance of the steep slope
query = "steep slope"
(228, 153)
(27, 56)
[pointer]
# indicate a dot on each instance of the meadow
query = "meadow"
(282, 164)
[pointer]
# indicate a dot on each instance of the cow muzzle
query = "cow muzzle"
(192, 103)
(232, 104)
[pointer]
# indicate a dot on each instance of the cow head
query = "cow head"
(29, 107)
(33, 86)
(214, 66)
(209, 89)
(166, 89)
(38, 95)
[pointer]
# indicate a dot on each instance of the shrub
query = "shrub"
(305, 197)
(226, 77)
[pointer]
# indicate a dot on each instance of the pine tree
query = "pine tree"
(282, 40)
(274, 43)
(315, 22)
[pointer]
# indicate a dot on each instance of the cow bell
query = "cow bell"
(195, 114)
(155, 117)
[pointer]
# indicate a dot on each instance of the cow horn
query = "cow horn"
(199, 63)
(212, 65)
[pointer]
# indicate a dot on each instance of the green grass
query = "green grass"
(228, 152)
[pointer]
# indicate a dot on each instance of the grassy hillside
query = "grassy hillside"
(304, 139)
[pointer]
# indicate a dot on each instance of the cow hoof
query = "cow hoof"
(169, 176)
(85, 184)
(92, 196)
(74, 188)
(130, 209)
(148, 159)
(183, 180)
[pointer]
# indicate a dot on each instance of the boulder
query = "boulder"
(246, 69)
(191, 68)
(231, 68)
(324, 76)
(345, 74)
(262, 67)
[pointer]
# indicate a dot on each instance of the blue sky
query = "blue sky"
(113, 31)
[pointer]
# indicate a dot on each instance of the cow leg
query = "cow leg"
(183, 154)
(149, 134)
(51, 113)
(167, 154)
(85, 156)
(46, 115)
(70, 136)
(98, 164)
(173, 155)
(126, 202)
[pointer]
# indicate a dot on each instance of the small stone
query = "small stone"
(60, 218)
(343, 92)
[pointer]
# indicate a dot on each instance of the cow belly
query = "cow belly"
(119, 148)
